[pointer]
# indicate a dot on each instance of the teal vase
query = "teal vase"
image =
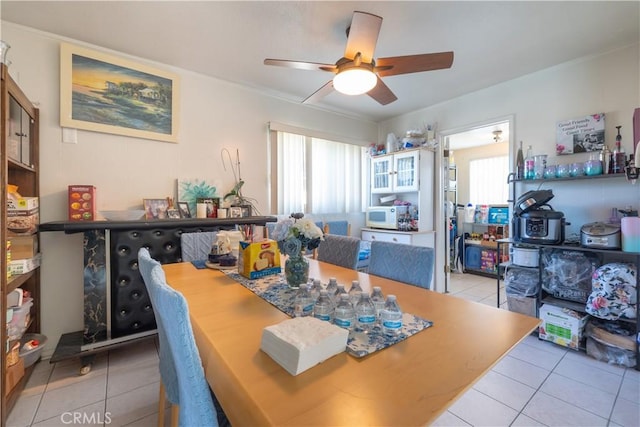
(296, 270)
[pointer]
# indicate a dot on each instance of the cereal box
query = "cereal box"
(23, 246)
(259, 259)
(82, 203)
(23, 216)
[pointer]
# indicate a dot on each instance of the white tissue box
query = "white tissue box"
(302, 342)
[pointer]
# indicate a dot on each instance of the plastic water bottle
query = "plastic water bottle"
(331, 287)
(391, 317)
(315, 289)
(378, 300)
(303, 303)
(365, 313)
(339, 290)
(323, 308)
(344, 314)
(355, 292)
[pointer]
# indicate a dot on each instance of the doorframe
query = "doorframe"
(442, 274)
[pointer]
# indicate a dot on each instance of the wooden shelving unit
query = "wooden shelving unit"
(19, 155)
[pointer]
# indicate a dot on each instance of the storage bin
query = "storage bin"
(521, 281)
(472, 256)
(20, 319)
(522, 305)
(31, 356)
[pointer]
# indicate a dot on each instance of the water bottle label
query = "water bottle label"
(392, 324)
(343, 323)
(307, 310)
(367, 319)
(324, 317)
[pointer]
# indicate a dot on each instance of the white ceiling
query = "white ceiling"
(492, 41)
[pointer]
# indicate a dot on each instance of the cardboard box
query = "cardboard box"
(22, 266)
(258, 259)
(24, 246)
(23, 204)
(82, 203)
(562, 326)
(22, 222)
(13, 375)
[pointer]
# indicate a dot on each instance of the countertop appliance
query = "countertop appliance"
(600, 235)
(534, 221)
(387, 217)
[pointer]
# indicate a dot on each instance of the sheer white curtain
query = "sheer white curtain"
(488, 181)
(336, 172)
(317, 175)
(292, 194)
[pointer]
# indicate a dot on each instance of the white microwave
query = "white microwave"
(389, 217)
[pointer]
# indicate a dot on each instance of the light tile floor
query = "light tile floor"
(536, 384)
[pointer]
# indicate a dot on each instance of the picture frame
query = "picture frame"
(143, 101)
(183, 209)
(173, 213)
(235, 212)
(155, 208)
(580, 135)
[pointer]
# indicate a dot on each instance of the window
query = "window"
(488, 181)
(315, 175)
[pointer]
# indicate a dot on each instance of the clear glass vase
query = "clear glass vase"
(296, 270)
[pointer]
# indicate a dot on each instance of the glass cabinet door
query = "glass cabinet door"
(406, 171)
(381, 174)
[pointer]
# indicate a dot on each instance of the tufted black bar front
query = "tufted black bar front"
(125, 297)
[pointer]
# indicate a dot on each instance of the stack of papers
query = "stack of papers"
(302, 342)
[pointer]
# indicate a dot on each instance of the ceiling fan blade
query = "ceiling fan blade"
(414, 63)
(382, 93)
(300, 65)
(363, 36)
(320, 93)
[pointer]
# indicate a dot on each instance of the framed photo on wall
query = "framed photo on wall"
(105, 93)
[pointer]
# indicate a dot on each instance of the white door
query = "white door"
(405, 171)
(382, 174)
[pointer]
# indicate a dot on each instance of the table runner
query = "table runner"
(274, 290)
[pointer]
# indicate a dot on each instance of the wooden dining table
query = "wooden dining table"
(409, 383)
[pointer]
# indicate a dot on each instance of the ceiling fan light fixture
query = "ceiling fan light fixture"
(355, 81)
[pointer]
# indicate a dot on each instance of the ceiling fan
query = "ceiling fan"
(357, 72)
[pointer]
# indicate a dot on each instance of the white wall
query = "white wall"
(607, 83)
(214, 115)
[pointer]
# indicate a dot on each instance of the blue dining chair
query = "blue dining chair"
(339, 250)
(342, 228)
(181, 372)
(403, 263)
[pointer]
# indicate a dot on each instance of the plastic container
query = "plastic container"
(539, 165)
(20, 319)
(31, 356)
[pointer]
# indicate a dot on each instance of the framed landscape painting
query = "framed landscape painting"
(104, 93)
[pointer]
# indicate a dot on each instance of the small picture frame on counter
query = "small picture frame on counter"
(183, 209)
(173, 213)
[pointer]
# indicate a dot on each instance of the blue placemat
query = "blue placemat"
(274, 289)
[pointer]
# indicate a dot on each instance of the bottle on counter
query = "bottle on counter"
(339, 290)
(520, 163)
(344, 314)
(365, 313)
(391, 317)
(604, 158)
(619, 158)
(323, 308)
(377, 298)
(303, 303)
(354, 292)
(315, 288)
(331, 287)
(529, 170)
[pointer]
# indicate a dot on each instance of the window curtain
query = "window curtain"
(336, 173)
(292, 195)
(488, 181)
(318, 176)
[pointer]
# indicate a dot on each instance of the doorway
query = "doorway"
(475, 141)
